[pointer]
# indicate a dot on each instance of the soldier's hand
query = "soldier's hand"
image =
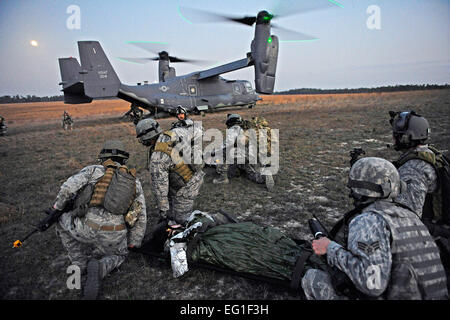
(320, 246)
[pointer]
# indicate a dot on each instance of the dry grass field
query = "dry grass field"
(316, 134)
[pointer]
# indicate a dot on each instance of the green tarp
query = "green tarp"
(247, 247)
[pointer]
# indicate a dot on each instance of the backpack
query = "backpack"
(258, 124)
(437, 204)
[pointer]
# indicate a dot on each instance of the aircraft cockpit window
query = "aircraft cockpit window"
(193, 90)
(248, 87)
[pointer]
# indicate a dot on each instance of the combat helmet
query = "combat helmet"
(113, 149)
(147, 129)
(373, 178)
(233, 119)
(408, 128)
(181, 109)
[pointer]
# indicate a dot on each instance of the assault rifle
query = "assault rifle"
(52, 217)
(354, 155)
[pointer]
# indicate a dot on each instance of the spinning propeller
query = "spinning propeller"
(160, 49)
(280, 9)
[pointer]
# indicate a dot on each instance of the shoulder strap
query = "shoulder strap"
(298, 269)
(429, 157)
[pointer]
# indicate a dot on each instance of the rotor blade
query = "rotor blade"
(197, 62)
(151, 46)
(137, 60)
(282, 8)
(200, 16)
(291, 35)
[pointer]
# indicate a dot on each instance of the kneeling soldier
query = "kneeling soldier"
(109, 215)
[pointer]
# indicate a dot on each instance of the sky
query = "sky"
(406, 43)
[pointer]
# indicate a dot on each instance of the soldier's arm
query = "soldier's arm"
(160, 164)
(367, 260)
(72, 185)
(137, 232)
(420, 178)
(231, 136)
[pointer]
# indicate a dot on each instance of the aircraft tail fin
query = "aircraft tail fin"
(72, 82)
(99, 78)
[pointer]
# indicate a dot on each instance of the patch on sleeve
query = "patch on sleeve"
(369, 248)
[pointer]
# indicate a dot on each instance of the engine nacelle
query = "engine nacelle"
(264, 50)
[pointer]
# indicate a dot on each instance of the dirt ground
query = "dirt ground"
(316, 134)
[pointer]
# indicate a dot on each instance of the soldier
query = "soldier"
(182, 117)
(386, 252)
(417, 165)
(176, 181)
(235, 133)
(67, 121)
(3, 126)
(109, 215)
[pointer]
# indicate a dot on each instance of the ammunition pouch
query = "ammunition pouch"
(82, 200)
(183, 170)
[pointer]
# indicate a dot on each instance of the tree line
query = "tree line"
(32, 98)
(366, 90)
(29, 98)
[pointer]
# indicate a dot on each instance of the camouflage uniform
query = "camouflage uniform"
(109, 246)
(389, 252)
(67, 121)
(253, 171)
(176, 201)
(420, 178)
(3, 126)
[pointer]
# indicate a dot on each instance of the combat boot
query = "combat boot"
(223, 179)
(92, 286)
(269, 182)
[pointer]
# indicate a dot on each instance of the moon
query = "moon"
(34, 43)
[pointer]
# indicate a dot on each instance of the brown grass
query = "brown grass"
(316, 134)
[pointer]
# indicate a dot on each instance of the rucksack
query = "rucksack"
(258, 124)
(437, 204)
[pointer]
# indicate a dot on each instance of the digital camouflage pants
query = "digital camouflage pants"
(110, 247)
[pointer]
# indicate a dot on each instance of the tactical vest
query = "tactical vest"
(115, 190)
(417, 271)
(437, 204)
(181, 173)
(258, 124)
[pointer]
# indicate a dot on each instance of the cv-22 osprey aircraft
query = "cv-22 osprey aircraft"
(200, 91)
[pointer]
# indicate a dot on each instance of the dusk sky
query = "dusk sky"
(411, 45)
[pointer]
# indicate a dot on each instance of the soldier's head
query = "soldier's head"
(147, 131)
(114, 150)
(233, 119)
(373, 178)
(408, 129)
(181, 113)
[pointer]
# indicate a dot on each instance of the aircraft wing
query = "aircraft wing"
(232, 66)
